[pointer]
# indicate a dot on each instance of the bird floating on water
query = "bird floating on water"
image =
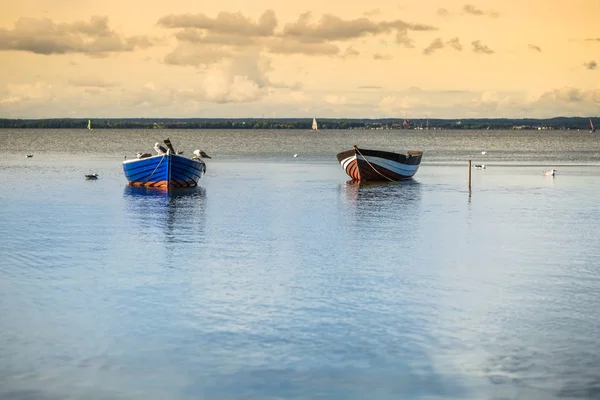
(484, 152)
(29, 155)
(552, 172)
(91, 176)
(479, 166)
(295, 155)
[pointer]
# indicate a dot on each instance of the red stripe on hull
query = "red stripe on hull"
(164, 184)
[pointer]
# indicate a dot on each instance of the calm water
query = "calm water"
(277, 279)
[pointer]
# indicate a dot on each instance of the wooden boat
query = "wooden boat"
(375, 165)
(165, 170)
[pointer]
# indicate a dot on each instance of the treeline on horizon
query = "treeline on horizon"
(298, 123)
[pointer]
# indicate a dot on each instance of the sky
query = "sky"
(313, 58)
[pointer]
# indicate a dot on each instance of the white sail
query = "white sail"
(315, 127)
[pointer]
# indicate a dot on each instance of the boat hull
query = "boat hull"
(164, 171)
(374, 165)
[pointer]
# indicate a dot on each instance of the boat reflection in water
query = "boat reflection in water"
(382, 201)
(174, 215)
(163, 192)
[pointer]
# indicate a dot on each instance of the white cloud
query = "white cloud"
(335, 99)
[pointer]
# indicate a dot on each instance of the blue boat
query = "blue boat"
(165, 170)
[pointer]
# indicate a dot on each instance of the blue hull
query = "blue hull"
(164, 171)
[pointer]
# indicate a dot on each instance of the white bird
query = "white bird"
(484, 152)
(552, 172)
(159, 149)
(200, 154)
(295, 155)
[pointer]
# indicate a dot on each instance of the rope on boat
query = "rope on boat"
(365, 158)
(152, 174)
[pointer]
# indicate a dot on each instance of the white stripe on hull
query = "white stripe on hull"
(401, 169)
(395, 167)
(392, 169)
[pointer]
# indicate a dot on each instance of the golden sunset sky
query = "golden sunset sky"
(312, 58)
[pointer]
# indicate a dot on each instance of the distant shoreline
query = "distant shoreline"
(557, 123)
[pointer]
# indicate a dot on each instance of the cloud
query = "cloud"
(593, 40)
(351, 52)
(378, 56)
(403, 39)
(194, 55)
(289, 46)
(570, 97)
(372, 13)
(443, 12)
(439, 44)
(455, 44)
(481, 48)
(197, 36)
(44, 36)
(231, 33)
(90, 82)
(433, 46)
(472, 10)
(333, 28)
(220, 88)
(335, 99)
(224, 23)
(590, 65)
(535, 48)
(370, 87)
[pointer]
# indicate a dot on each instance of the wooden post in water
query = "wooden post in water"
(469, 176)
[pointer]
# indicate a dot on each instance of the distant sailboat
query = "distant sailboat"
(592, 127)
(315, 127)
(90, 125)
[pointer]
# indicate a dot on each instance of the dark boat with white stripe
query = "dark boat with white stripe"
(376, 165)
(165, 170)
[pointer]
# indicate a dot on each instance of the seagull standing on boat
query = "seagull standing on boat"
(552, 172)
(200, 154)
(159, 149)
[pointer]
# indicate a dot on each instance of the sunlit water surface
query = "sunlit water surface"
(277, 279)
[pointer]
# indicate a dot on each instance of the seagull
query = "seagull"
(159, 149)
(143, 155)
(200, 154)
(484, 152)
(295, 155)
(29, 155)
(552, 172)
(479, 166)
(91, 177)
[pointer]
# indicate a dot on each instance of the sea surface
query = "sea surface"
(279, 279)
